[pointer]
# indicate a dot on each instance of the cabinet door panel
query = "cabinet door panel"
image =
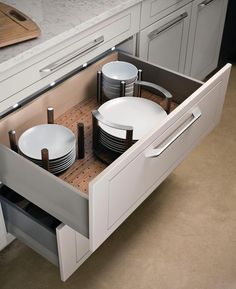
(205, 37)
(153, 10)
(165, 42)
(73, 250)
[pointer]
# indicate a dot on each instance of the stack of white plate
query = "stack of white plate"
(140, 113)
(113, 73)
(59, 140)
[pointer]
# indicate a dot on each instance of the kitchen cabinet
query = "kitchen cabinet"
(86, 216)
(188, 39)
(207, 23)
(40, 71)
(165, 41)
(84, 209)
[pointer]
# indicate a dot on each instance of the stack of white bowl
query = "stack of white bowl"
(113, 73)
(59, 140)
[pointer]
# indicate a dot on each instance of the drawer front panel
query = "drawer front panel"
(153, 10)
(73, 249)
(45, 190)
(64, 58)
(29, 231)
(165, 41)
(144, 171)
(123, 186)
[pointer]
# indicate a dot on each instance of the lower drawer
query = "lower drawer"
(30, 224)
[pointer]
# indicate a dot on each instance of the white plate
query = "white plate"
(60, 169)
(110, 95)
(117, 90)
(59, 165)
(116, 84)
(104, 142)
(140, 113)
(55, 161)
(112, 138)
(58, 139)
(104, 139)
(119, 70)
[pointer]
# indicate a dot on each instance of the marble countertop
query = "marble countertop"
(58, 20)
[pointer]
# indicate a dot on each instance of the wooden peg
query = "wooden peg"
(50, 115)
(122, 88)
(80, 140)
(45, 158)
(140, 74)
(12, 140)
(168, 105)
(95, 131)
(99, 87)
(129, 138)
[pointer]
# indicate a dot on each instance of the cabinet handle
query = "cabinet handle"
(205, 3)
(164, 27)
(72, 56)
(153, 153)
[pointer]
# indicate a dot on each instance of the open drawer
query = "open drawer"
(113, 192)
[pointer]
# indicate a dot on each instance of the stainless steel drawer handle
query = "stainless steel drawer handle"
(72, 56)
(155, 152)
(164, 27)
(205, 3)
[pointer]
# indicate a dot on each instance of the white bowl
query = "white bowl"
(117, 71)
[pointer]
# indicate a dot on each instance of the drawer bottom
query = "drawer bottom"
(30, 224)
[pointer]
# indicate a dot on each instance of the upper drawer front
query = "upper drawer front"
(153, 10)
(63, 58)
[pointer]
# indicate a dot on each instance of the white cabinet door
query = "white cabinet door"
(205, 35)
(165, 42)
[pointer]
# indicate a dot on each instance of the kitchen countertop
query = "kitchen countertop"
(58, 20)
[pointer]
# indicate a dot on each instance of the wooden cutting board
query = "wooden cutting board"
(15, 26)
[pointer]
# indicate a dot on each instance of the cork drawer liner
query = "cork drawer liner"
(73, 100)
(83, 171)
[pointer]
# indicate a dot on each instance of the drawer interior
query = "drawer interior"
(75, 98)
(30, 224)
